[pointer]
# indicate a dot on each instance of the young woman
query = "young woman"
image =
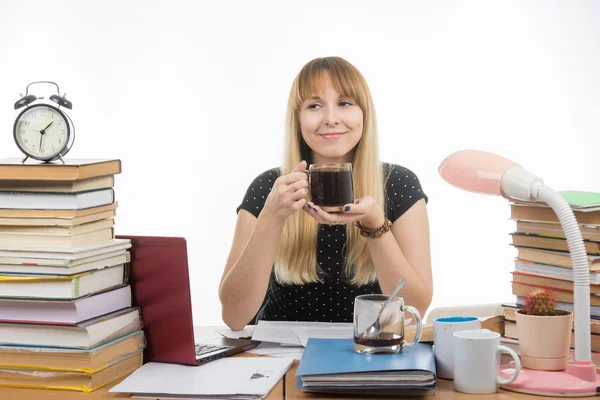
(289, 259)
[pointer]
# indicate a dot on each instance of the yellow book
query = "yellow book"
(78, 381)
(61, 286)
(72, 360)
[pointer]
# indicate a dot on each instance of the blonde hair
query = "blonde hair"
(296, 261)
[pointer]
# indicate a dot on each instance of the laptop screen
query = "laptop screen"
(160, 285)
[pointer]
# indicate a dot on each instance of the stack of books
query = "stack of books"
(332, 366)
(543, 259)
(66, 315)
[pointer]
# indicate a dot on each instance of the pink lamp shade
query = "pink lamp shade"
(475, 171)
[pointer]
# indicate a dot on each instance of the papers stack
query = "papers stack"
(298, 333)
(265, 348)
(287, 339)
(229, 378)
(277, 350)
(332, 366)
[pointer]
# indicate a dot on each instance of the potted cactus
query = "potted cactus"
(544, 332)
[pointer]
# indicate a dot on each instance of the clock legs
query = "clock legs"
(59, 157)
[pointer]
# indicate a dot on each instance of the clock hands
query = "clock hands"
(47, 126)
(42, 132)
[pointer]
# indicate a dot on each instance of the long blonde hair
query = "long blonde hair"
(296, 261)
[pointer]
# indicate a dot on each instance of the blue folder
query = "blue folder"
(337, 356)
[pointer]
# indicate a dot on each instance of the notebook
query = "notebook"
(581, 200)
(332, 366)
(577, 199)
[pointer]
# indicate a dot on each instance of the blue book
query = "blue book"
(332, 365)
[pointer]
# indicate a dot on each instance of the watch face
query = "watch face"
(41, 131)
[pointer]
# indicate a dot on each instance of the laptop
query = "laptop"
(160, 286)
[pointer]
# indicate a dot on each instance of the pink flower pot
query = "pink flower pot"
(544, 340)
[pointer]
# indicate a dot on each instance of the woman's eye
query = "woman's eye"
(314, 105)
(345, 103)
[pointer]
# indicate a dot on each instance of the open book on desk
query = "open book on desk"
(332, 366)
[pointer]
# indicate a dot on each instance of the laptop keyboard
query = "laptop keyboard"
(202, 349)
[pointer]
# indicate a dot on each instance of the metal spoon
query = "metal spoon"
(374, 329)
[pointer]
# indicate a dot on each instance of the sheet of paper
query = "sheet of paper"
(228, 377)
(276, 332)
(277, 350)
(338, 331)
(287, 332)
(268, 348)
(247, 332)
(294, 356)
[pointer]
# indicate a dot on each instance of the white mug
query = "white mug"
(477, 362)
(443, 341)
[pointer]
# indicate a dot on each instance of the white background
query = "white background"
(191, 97)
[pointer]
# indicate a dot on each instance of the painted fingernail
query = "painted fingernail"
(308, 206)
(347, 208)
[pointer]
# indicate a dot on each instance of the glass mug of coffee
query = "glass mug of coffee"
(391, 336)
(331, 186)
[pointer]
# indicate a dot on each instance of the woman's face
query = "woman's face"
(331, 125)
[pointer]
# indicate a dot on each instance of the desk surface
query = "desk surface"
(285, 389)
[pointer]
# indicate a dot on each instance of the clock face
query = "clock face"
(41, 131)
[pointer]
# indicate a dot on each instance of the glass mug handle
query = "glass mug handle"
(308, 174)
(417, 316)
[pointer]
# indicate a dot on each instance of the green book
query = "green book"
(581, 200)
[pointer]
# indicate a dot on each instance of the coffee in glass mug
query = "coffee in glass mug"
(331, 186)
(390, 338)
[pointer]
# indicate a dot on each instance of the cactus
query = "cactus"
(540, 301)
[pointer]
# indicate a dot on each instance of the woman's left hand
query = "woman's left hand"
(366, 210)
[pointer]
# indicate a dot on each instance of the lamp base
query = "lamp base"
(578, 380)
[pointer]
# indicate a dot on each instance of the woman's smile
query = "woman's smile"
(331, 135)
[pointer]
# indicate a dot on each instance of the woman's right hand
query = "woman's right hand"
(289, 192)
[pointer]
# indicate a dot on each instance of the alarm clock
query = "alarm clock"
(43, 130)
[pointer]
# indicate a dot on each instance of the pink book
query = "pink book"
(64, 312)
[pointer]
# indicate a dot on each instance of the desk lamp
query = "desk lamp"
(487, 173)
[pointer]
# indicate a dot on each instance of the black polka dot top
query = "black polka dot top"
(333, 299)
